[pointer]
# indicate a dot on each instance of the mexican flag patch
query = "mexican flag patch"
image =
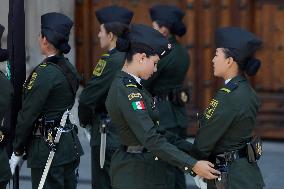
(138, 105)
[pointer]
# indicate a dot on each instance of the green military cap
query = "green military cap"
(241, 43)
(56, 28)
(114, 14)
(146, 38)
(170, 17)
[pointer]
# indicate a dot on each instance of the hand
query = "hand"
(205, 169)
(14, 161)
(200, 183)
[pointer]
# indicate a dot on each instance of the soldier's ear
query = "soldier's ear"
(143, 57)
(111, 36)
(230, 61)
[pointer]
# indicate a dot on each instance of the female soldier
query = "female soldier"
(5, 100)
(48, 92)
(227, 124)
(137, 163)
(167, 83)
(114, 23)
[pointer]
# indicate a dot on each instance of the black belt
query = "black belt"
(228, 157)
(134, 149)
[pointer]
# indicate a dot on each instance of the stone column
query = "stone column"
(34, 9)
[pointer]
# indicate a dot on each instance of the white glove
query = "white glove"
(14, 161)
(200, 183)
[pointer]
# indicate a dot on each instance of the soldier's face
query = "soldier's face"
(105, 38)
(42, 43)
(148, 66)
(220, 63)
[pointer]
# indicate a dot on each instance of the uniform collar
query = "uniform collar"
(172, 39)
(238, 78)
(131, 76)
(51, 55)
(112, 51)
(137, 79)
(227, 81)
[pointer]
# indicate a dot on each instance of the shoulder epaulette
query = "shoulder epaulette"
(128, 82)
(229, 87)
(106, 55)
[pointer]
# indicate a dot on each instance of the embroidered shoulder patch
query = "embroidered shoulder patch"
(99, 68)
(211, 108)
(31, 83)
(138, 105)
(134, 95)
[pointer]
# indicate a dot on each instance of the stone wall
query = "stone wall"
(34, 9)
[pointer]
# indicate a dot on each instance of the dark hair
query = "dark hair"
(60, 43)
(124, 45)
(250, 65)
(177, 28)
(4, 55)
(117, 28)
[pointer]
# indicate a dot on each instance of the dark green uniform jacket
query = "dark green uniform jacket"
(133, 112)
(170, 75)
(92, 98)
(48, 93)
(5, 100)
(227, 125)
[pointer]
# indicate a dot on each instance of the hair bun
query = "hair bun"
(64, 47)
(178, 28)
(122, 44)
(252, 66)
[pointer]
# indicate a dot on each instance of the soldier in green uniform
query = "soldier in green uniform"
(114, 23)
(141, 162)
(48, 92)
(227, 124)
(167, 83)
(5, 100)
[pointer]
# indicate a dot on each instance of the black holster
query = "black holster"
(222, 182)
(222, 162)
(254, 149)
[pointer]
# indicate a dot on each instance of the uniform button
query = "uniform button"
(185, 168)
(75, 147)
(156, 158)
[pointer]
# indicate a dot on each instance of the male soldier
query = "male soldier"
(5, 100)
(167, 83)
(48, 92)
(114, 23)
